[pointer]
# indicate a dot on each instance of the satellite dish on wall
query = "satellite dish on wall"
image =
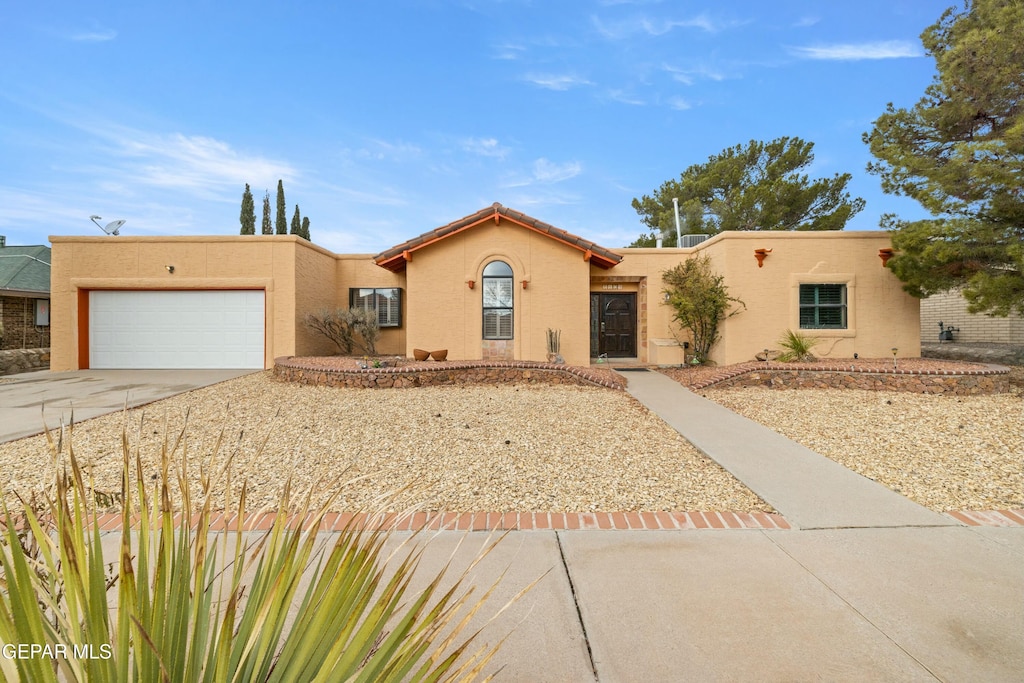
(111, 228)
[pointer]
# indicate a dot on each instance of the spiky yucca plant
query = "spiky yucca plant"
(184, 602)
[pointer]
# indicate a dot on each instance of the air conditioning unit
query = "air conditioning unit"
(693, 240)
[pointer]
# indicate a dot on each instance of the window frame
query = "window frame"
(509, 310)
(817, 307)
(354, 293)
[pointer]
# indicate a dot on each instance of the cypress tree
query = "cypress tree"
(248, 215)
(266, 227)
(282, 218)
(296, 222)
(305, 229)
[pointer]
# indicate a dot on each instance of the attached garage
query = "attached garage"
(134, 329)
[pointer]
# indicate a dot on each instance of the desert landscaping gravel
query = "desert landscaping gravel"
(470, 448)
(944, 452)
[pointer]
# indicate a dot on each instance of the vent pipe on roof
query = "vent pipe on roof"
(658, 241)
(679, 234)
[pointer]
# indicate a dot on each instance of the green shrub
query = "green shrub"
(181, 602)
(701, 302)
(797, 347)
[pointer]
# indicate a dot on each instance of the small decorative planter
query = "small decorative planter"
(439, 355)
(420, 354)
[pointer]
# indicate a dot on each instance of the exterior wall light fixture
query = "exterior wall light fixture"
(759, 254)
(471, 283)
(170, 269)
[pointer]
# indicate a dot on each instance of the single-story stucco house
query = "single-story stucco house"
(486, 286)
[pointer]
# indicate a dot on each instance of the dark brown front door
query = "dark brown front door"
(613, 325)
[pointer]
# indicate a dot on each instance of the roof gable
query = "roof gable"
(395, 258)
(25, 269)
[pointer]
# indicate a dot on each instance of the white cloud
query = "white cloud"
(627, 28)
(200, 164)
(804, 22)
(485, 147)
(886, 49)
(556, 81)
(94, 36)
(626, 98)
(690, 75)
(382, 150)
(545, 171)
(509, 51)
(679, 104)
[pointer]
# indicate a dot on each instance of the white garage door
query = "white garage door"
(176, 329)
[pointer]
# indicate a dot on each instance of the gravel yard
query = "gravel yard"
(944, 452)
(494, 448)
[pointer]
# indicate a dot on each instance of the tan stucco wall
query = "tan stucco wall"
(269, 263)
(441, 311)
(880, 314)
(641, 271)
(444, 313)
(359, 270)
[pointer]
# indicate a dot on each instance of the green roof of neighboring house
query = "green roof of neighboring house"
(25, 270)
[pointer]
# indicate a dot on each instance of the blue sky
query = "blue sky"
(387, 119)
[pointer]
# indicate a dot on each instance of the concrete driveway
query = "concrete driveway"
(26, 400)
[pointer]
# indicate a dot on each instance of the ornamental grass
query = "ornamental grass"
(184, 602)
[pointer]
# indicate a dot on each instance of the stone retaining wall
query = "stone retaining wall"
(14, 361)
(1004, 354)
(451, 374)
(994, 382)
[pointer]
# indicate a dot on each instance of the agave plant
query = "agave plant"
(185, 602)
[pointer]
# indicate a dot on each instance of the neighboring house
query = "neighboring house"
(487, 286)
(950, 309)
(24, 297)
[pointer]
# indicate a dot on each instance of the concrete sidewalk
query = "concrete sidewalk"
(808, 489)
(27, 399)
(911, 604)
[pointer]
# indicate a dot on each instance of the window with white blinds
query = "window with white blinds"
(386, 301)
(497, 300)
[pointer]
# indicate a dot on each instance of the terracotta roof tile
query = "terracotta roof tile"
(393, 258)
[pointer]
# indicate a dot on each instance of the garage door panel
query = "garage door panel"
(176, 329)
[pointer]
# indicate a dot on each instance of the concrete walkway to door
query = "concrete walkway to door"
(29, 399)
(808, 489)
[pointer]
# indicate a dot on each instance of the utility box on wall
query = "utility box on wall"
(42, 312)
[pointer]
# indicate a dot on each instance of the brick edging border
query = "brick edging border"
(498, 521)
(988, 517)
(556, 521)
(293, 369)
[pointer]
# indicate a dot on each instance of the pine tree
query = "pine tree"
(282, 219)
(960, 152)
(248, 215)
(266, 227)
(305, 229)
(757, 186)
(296, 222)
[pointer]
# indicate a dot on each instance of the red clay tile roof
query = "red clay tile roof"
(395, 258)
